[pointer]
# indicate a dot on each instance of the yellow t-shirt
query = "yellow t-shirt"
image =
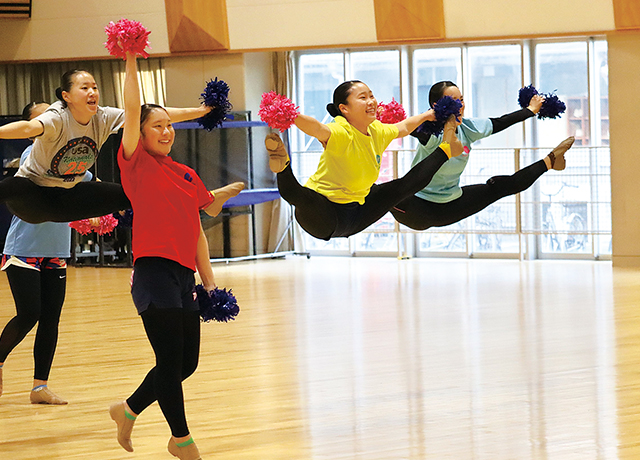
(350, 164)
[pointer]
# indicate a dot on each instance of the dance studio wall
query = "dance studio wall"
(66, 29)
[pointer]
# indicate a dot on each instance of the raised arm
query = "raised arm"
(131, 131)
(21, 129)
(409, 124)
(203, 263)
(313, 128)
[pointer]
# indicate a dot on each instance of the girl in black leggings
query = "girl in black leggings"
(443, 202)
(34, 261)
(341, 199)
(168, 245)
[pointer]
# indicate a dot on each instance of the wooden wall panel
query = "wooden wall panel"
(409, 20)
(197, 25)
(627, 14)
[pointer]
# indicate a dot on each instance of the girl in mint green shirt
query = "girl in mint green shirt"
(442, 201)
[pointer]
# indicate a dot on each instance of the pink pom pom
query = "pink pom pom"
(390, 113)
(107, 224)
(81, 226)
(127, 36)
(277, 111)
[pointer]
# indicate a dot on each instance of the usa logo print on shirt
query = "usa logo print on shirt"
(188, 177)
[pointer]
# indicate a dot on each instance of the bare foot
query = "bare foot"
(556, 157)
(449, 135)
(222, 195)
(278, 156)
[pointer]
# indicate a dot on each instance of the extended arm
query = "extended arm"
(184, 114)
(512, 118)
(313, 128)
(203, 263)
(408, 125)
(21, 129)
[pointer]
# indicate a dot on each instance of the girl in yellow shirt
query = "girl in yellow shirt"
(341, 198)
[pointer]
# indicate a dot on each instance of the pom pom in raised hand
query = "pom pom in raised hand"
(277, 111)
(390, 113)
(218, 305)
(106, 224)
(443, 109)
(127, 36)
(216, 96)
(552, 106)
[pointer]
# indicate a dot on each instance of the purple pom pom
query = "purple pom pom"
(125, 218)
(525, 94)
(216, 96)
(443, 109)
(219, 304)
(552, 107)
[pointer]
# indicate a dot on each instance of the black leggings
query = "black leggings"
(420, 214)
(174, 334)
(38, 296)
(35, 204)
(324, 219)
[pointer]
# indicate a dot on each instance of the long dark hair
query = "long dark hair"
(146, 111)
(437, 91)
(340, 95)
(66, 82)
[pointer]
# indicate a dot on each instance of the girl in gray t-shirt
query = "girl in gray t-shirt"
(68, 137)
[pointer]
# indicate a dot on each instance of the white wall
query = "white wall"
(66, 29)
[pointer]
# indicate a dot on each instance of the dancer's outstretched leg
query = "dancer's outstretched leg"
(314, 212)
(35, 204)
(420, 214)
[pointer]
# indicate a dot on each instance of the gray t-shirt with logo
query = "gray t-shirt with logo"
(66, 149)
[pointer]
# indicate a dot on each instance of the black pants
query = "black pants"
(324, 219)
(38, 296)
(420, 214)
(174, 334)
(35, 204)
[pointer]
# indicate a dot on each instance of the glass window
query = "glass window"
(318, 76)
(380, 70)
(565, 213)
(491, 89)
(562, 68)
(431, 66)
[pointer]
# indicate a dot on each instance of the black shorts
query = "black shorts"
(163, 283)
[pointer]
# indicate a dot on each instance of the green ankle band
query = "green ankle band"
(128, 415)
(186, 443)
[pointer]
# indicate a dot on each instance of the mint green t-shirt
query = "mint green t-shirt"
(445, 185)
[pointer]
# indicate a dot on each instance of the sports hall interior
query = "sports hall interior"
(365, 358)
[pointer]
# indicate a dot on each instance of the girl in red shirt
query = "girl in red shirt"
(168, 245)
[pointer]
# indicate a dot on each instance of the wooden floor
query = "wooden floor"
(356, 358)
